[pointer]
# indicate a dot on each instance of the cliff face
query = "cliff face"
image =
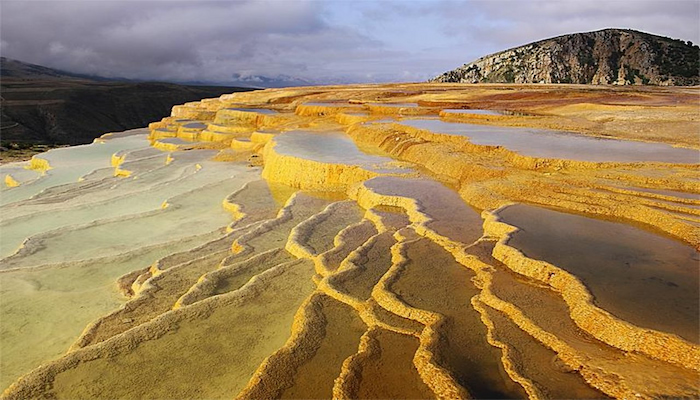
(41, 105)
(610, 56)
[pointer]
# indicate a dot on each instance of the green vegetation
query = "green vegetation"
(19, 151)
(681, 59)
(509, 75)
(585, 58)
(630, 73)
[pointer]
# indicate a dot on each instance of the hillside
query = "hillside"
(14, 69)
(609, 56)
(41, 105)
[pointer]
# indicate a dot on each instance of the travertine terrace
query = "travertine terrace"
(394, 241)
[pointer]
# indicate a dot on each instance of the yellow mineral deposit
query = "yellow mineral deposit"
(377, 241)
(39, 164)
(10, 181)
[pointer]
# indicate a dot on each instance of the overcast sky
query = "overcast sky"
(334, 41)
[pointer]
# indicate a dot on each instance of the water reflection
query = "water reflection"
(649, 280)
(563, 145)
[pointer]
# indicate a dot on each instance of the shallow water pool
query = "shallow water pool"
(557, 144)
(649, 280)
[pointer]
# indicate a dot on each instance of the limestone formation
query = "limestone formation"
(337, 242)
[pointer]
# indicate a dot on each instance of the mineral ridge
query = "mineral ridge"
(379, 241)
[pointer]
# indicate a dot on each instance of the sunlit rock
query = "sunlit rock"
(395, 241)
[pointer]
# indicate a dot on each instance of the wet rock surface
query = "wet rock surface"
(296, 243)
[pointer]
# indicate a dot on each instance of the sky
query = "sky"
(332, 41)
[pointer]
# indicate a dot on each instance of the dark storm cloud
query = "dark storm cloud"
(176, 40)
(341, 40)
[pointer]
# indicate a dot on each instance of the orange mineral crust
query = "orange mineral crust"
(369, 241)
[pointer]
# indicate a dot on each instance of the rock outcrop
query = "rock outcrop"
(609, 56)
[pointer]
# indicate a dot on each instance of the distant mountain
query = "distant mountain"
(609, 56)
(269, 82)
(14, 69)
(256, 81)
(41, 105)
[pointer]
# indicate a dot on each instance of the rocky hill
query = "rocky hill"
(42, 105)
(609, 56)
(14, 69)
